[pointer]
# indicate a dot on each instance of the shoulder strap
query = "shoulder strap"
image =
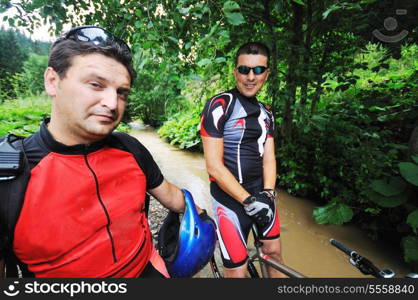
(12, 193)
(131, 146)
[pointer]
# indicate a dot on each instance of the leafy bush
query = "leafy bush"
(352, 154)
(399, 191)
(333, 157)
(23, 116)
(183, 129)
(123, 127)
(31, 79)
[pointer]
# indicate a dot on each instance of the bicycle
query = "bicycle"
(256, 255)
(365, 265)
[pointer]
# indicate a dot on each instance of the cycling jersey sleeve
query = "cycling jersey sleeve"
(270, 122)
(144, 159)
(150, 168)
(214, 115)
(272, 125)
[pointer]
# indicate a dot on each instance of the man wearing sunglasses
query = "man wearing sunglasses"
(237, 134)
(83, 213)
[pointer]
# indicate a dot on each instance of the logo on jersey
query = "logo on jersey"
(218, 112)
(240, 122)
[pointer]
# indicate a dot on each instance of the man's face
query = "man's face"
(250, 84)
(89, 102)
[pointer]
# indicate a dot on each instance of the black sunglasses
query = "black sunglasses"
(257, 70)
(93, 34)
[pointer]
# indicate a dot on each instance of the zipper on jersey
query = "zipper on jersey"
(103, 206)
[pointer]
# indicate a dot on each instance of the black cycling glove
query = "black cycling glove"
(259, 208)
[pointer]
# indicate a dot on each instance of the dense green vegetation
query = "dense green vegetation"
(23, 116)
(345, 102)
(22, 63)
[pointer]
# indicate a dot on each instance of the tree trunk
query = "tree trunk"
(319, 80)
(273, 77)
(413, 142)
(292, 71)
(307, 54)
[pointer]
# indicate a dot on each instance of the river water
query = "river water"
(305, 244)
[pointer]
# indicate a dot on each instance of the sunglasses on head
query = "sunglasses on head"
(257, 70)
(93, 34)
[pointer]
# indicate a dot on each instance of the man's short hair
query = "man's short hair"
(63, 50)
(253, 48)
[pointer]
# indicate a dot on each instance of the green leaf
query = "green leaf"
(333, 213)
(220, 60)
(204, 62)
(184, 10)
(138, 13)
(174, 78)
(374, 108)
(329, 10)
(235, 18)
(147, 45)
(230, 6)
(299, 2)
(409, 171)
(410, 247)
(415, 158)
(195, 77)
(389, 188)
(176, 41)
(383, 201)
(412, 220)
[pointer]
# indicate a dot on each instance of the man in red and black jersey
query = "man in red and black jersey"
(83, 212)
(237, 134)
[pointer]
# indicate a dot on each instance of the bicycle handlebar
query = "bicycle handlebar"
(362, 263)
(341, 246)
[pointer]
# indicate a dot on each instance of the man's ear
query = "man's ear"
(268, 73)
(51, 80)
(235, 73)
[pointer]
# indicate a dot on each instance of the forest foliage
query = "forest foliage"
(344, 100)
(22, 63)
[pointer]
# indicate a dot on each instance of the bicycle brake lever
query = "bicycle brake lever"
(364, 265)
(387, 273)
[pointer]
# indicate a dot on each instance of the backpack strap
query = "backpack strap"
(130, 144)
(12, 191)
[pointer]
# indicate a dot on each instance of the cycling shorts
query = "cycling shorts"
(234, 225)
(156, 267)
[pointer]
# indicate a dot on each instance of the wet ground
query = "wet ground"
(305, 244)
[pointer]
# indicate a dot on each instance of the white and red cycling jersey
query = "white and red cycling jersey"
(244, 124)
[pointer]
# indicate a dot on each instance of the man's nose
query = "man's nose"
(110, 99)
(251, 75)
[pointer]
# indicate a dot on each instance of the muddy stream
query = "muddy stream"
(305, 244)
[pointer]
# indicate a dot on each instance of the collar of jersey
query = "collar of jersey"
(242, 97)
(55, 146)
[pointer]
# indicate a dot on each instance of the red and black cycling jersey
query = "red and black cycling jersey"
(83, 211)
(244, 124)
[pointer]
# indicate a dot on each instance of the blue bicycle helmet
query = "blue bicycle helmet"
(186, 246)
